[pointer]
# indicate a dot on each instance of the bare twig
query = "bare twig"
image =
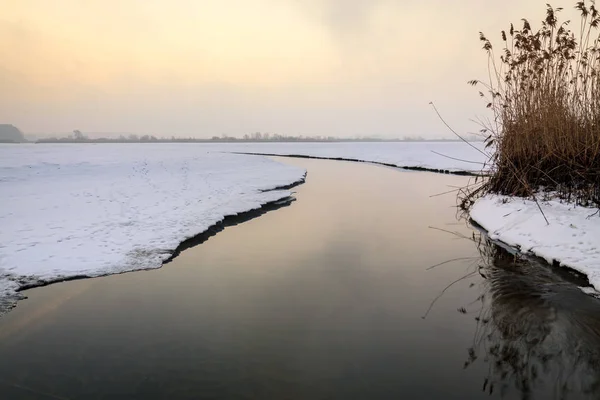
(452, 130)
(457, 159)
(444, 291)
(449, 261)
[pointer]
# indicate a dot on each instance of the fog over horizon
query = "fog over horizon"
(342, 68)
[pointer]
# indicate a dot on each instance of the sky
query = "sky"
(200, 68)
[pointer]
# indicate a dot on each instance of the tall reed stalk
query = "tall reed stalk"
(544, 92)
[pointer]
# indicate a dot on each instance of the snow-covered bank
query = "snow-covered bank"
(571, 238)
(91, 210)
(450, 156)
(71, 210)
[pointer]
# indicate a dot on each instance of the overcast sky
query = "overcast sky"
(210, 67)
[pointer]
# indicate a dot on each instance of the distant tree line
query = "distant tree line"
(79, 137)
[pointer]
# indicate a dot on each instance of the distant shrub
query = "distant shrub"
(11, 134)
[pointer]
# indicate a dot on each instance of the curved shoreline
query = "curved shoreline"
(562, 234)
(227, 221)
(232, 220)
(404, 167)
(555, 266)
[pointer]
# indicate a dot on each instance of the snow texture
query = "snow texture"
(430, 155)
(91, 210)
(85, 210)
(572, 237)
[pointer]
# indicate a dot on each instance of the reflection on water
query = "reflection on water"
(537, 333)
(323, 299)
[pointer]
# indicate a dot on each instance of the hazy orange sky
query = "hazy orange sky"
(210, 67)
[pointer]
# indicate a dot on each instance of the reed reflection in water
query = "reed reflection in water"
(537, 332)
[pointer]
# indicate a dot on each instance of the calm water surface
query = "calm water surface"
(332, 297)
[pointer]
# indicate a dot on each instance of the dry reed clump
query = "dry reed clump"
(544, 93)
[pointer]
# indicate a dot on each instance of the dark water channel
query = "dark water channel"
(327, 298)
